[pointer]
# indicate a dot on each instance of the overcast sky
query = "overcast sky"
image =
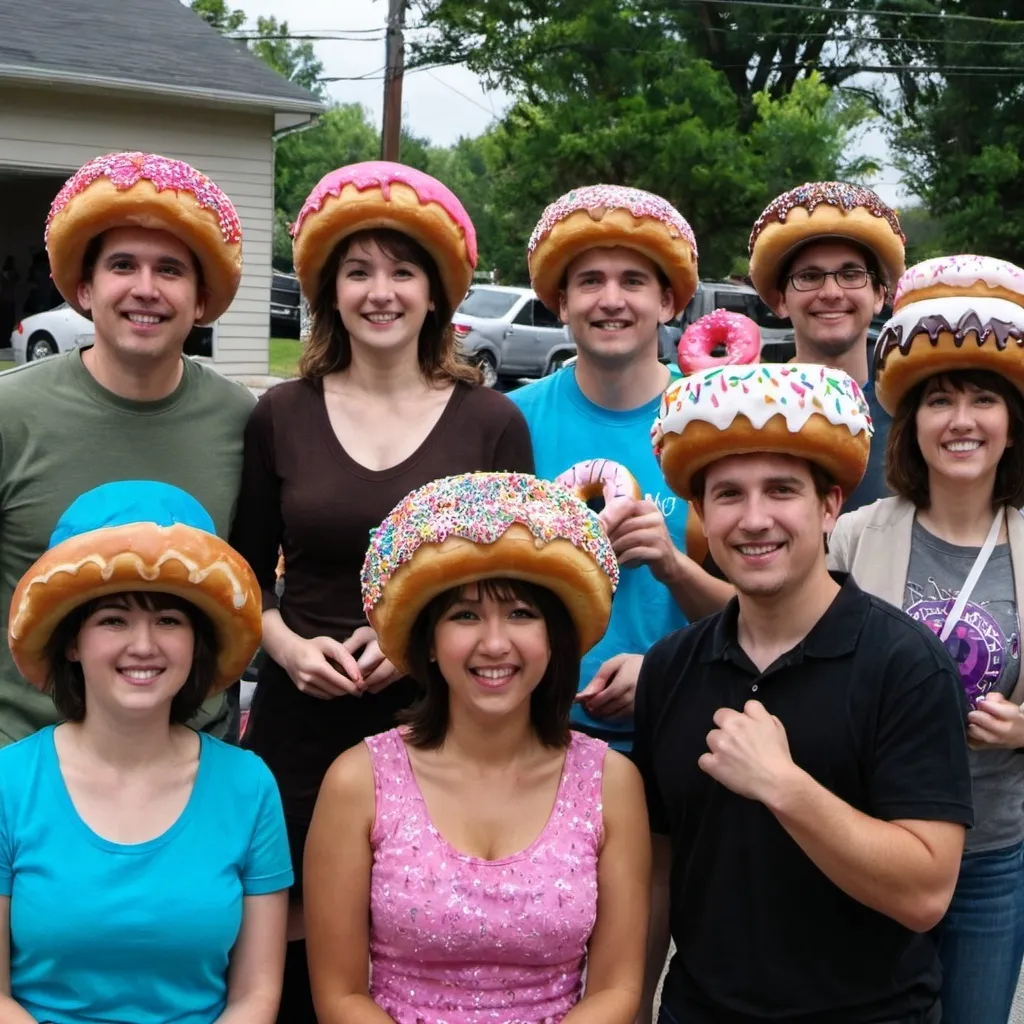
(442, 104)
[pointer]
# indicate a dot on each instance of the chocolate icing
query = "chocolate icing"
(892, 336)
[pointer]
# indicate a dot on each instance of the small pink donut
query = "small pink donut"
(738, 333)
(594, 478)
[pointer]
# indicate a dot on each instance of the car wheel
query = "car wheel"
(557, 362)
(489, 368)
(40, 346)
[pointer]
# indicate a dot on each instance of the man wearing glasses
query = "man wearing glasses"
(825, 255)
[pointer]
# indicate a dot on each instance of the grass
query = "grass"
(284, 357)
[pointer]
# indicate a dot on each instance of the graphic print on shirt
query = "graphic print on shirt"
(977, 643)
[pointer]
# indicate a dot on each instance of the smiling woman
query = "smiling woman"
(134, 616)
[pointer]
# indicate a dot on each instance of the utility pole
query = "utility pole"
(391, 133)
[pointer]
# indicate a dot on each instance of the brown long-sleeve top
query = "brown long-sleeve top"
(301, 491)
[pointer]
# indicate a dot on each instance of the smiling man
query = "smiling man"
(615, 263)
(803, 750)
(147, 248)
(825, 255)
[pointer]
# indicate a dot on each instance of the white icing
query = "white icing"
(961, 272)
(796, 391)
(953, 308)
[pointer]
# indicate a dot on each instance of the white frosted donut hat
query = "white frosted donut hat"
(607, 216)
(952, 313)
(821, 210)
(148, 191)
(806, 410)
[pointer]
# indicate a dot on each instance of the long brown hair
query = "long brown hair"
(329, 348)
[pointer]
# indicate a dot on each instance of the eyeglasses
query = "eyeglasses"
(849, 278)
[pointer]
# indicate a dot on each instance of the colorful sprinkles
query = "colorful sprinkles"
(127, 169)
(598, 199)
(795, 390)
(480, 507)
(961, 271)
(812, 194)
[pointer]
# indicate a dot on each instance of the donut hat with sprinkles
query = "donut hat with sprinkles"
(816, 211)
(607, 216)
(487, 526)
(148, 191)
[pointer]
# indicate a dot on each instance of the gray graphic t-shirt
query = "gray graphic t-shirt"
(985, 644)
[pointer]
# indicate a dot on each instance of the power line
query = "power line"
(853, 12)
(459, 92)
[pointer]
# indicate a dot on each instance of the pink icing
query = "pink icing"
(613, 478)
(738, 333)
(613, 197)
(127, 169)
(382, 174)
(961, 272)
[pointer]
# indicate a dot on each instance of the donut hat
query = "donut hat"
(380, 194)
(476, 526)
(136, 535)
(608, 216)
(148, 191)
(817, 211)
(806, 410)
(951, 313)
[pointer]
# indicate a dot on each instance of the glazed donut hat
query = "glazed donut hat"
(477, 526)
(951, 313)
(129, 536)
(380, 194)
(596, 216)
(806, 410)
(817, 211)
(148, 191)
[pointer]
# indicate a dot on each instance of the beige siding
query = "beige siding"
(42, 130)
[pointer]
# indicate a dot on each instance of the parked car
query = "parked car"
(776, 332)
(509, 333)
(285, 300)
(45, 334)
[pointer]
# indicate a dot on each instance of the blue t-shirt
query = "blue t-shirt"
(139, 934)
(566, 428)
(873, 485)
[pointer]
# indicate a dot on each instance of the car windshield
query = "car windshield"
(487, 303)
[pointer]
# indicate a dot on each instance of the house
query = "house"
(83, 77)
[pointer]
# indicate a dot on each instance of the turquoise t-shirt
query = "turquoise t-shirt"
(566, 428)
(103, 933)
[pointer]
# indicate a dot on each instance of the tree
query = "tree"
(295, 61)
(218, 14)
(959, 124)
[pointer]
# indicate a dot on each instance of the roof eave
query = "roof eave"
(214, 97)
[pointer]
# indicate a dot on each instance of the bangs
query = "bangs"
(961, 380)
(147, 600)
(500, 589)
(395, 244)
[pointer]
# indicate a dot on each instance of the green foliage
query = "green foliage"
(218, 14)
(295, 61)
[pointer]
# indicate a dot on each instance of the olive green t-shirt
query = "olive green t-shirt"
(62, 434)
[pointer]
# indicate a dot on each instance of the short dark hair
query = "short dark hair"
(550, 702)
(329, 348)
(871, 262)
(662, 277)
(906, 471)
(66, 682)
(92, 255)
(823, 480)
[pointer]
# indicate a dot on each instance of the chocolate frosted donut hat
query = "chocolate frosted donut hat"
(129, 536)
(380, 194)
(951, 313)
(608, 216)
(478, 526)
(816, 211)
(809, 411)
(147, 191)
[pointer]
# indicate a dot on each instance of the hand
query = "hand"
(748, 752)
(639, 536)
(612, 691)
(995, 722)
(313, 666)
(376, 670)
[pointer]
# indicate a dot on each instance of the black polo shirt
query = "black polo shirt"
(873, 709)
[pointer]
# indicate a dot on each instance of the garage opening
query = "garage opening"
(26, 290)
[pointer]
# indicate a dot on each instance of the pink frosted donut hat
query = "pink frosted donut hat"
(608, 216)
(148, 191)
(379, 194)
(821, 210)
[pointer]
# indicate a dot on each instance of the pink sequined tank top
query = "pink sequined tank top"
(459, 940)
